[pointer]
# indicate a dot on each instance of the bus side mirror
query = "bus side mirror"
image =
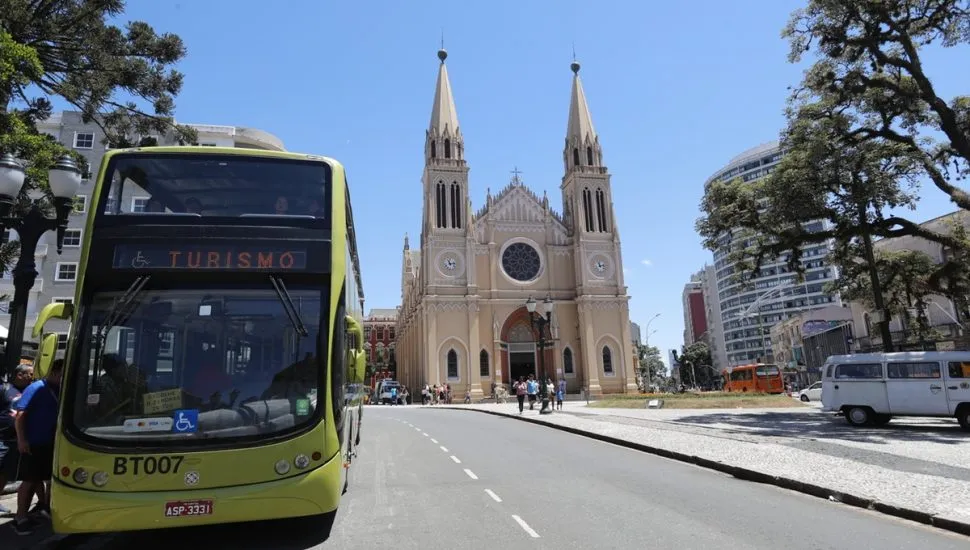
(354, 327)
(358, 358)
(59, 310)
(48, 349)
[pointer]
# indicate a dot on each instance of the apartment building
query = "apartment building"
(57, 273)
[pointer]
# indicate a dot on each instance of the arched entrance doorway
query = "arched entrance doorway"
(522, 352)
(520, 356)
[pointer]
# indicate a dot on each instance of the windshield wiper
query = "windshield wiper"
(123, 307)
(288, 306)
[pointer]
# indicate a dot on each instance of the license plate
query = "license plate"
(182, 508)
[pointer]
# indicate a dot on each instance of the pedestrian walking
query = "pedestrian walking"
(520, 392)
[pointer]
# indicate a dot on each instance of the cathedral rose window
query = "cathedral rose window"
(521, 262)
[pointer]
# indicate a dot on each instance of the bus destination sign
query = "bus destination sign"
(209, 258)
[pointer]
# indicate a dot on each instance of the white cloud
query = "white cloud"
(647, 263)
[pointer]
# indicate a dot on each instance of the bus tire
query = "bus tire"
(858, 416)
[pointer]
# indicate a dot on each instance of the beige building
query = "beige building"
(463, 318)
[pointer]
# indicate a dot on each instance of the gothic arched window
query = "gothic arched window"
(434, 150)
(440, 202)
(567, 361)
(452, 364)
(483, 364)
(575, 156)
(589, 156)
(447, 148)
(607, 360)
(601, 210)
(588, 209)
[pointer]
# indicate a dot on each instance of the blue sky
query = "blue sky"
(675, 88)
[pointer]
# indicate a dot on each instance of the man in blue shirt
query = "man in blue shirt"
(36, 427)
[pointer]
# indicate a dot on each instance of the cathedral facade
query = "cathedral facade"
(463, 319)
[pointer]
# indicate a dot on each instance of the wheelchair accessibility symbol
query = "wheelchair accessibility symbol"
(140, 261)
(186, 421)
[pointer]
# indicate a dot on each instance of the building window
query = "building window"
(589, 156)
(434, 150)
(392, 333)
(72, 238)
(588, 209)
(447, 148)
(81, 204)
(62, 300)
(601, 210)
(452, 364)
(441, 200)
(575, 156)
(139, 204)
(83, 140)
(567, 362)
(366, 333)
(521, 262)
(483, 364)
(61, 341)
(387, 333)
(607, 361)
(66, 271)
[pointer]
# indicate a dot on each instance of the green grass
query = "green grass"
(706, 400)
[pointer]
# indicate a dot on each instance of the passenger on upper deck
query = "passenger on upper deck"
(282, 205)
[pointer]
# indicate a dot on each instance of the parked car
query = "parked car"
(811, 393)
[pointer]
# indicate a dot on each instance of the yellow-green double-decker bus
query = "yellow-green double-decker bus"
(216, 343)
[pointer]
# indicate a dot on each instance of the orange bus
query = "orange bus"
(757, 378)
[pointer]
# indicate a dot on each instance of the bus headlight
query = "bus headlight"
(282, 467)
(80, 475)
(99, 479)
(301, 461)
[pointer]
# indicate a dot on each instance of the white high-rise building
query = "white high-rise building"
(745, 323)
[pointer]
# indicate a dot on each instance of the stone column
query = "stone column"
(629, 363)
(590, 362)
(474, 369)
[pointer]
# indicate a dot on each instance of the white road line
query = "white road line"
(435, 441)
(455, 458)
(493, 495)
(471, 474)
(417, 429)
(525, 526)
(443, 448)
(425, 434)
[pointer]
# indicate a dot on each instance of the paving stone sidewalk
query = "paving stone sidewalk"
(919, 465)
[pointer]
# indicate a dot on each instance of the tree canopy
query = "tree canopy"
(865, 128)
(120, 79)
(652, 368)
(65, 50)
(695, 360)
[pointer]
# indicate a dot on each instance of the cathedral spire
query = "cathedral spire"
(582, 144)
(444, 140)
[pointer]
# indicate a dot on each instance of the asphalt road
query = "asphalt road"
(434, 478)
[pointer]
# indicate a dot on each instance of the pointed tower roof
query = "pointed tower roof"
(444, 116)
(580, 126)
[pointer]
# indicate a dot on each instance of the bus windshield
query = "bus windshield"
(212, 184)
(197, 363)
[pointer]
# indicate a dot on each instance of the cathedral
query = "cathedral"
(463, 317)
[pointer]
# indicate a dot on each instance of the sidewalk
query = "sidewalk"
(12, 541)
(916, 469)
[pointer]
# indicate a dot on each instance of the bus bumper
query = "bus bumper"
(84, 511)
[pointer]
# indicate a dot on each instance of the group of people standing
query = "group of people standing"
(28, 425)
(530, 388)
(438, 393)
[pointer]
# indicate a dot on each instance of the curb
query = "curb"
(746, 474)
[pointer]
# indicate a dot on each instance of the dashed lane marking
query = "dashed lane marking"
(435, 441)
(492, 494)
(525, 526)
(455, 458)
(443, 448)
(471, 474)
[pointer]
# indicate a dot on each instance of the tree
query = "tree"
(652, 368)
(904, 276)
(695, 360)
(856, 144)
(117, 78)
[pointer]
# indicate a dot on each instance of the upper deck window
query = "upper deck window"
(215, 185)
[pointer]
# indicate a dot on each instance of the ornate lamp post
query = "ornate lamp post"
(64, 179)
(540, 321)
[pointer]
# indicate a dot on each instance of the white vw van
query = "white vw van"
(874, 387)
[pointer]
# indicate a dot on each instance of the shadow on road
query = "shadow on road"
(817, 425)
(290, 534)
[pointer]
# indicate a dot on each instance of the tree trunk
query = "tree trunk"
(877, 297)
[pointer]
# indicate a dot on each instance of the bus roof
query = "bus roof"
(900, 356)
(200, 150)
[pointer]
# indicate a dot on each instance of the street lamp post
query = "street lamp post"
(64, 179)
(540, 321)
